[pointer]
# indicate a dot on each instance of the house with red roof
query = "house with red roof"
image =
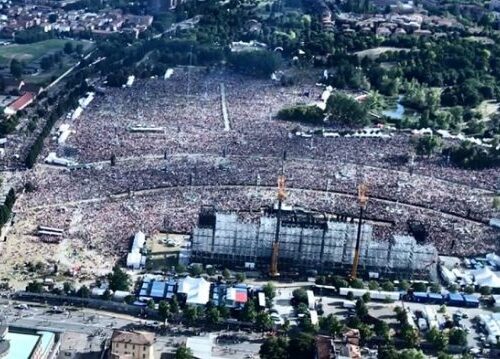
(20, 103)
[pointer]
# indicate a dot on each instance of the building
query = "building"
(307, 242)
(28, 343)
(135, 259)
(324, 347)
(132, 345)
(20, 103)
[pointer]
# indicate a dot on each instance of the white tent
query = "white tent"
(139, 240)
(197, 290)
(492, 282)
(494, 258)
(134, 260)
(485, 277)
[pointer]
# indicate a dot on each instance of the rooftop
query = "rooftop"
(140, 338)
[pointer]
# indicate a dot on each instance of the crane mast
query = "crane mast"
(362, 199)
(273, 272)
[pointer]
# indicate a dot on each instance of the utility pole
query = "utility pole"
(363, 199)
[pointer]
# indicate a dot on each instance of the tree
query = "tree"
(347, 110)
(151, 304)
(34, 287)
(302, 113)
(240, 277)
(437, 338)
(427, 145)
(357, 283)
(366, 297)
(381, 328)
(263, 321)
(68, 288)
(106, 295)
(485, 290)
(47, 63)
(163, 310)
(174, 305)
(16, 68)
(301, 346)
(410, 336)
(373, 285)
(388, 286)
(330, 325)
(248, 313)
(256, 63)
(79, 49)
(269, 290)
(457, 337)
(213, 316)
(339, 282)
(195, 270)
(404, 285)
(180, 268)
(118, 279)
(361, 309)
(68, 48)
(365, 332)
(183, 352)
(274, 348)
(435, 288)
(419, 287)
(469, 289)
(83, 292)
(299, 296)
(191, 314)
(224, 312)
(226, 273)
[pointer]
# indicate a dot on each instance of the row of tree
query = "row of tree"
(6, 207)
(341, 109)
(64, 104)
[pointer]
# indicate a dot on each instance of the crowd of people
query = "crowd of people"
(160, 180)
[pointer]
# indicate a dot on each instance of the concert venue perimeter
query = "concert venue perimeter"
(212, 139)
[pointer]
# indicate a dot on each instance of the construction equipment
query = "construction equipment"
(273, 272)
(363, 199)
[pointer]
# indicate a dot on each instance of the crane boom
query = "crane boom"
(363, 199)
(273, 272)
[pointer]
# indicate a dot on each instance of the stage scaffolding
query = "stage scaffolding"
(308, 241)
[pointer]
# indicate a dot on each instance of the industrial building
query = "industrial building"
(28, 343)
(307, 241)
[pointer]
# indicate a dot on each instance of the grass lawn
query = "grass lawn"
(377, 51)
(32, 52)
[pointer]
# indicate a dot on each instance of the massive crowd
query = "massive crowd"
(160, 180)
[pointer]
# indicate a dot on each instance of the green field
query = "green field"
(32, 52)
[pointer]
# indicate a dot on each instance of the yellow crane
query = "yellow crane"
(273, 272)
(362, 199)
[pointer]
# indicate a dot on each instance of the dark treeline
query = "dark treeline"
(162, 53)
(31, 35)
(64, 104)
(6, 207)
